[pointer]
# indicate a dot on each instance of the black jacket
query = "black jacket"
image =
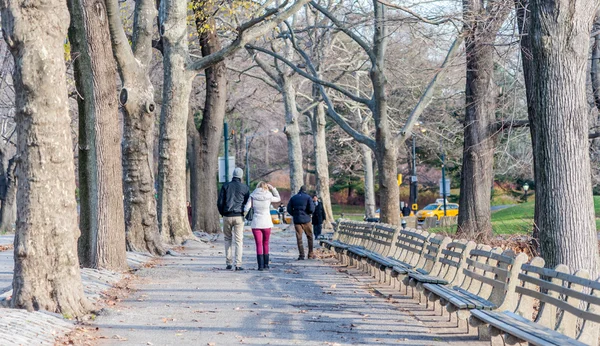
(406, 210)
(300, 207)
(232, 198)
(319, 215)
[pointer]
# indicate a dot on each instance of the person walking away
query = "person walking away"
(232, 199)
(281, 212)
(318, 217)
(406, 210)
(261, 224)
(301, 206)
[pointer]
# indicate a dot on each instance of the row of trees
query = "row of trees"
(290, 44)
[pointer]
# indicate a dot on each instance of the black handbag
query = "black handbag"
(250, 213)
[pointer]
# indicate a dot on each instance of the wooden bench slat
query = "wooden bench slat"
(501, 272)
(449, 262)
(451, 253)
(563, 276)
(409, 248)
(560, 289)
(417, 243)
(428, 278)
(447, 294)
(435, 240)
(502, 321)
(429, 257)
(413, 235)
(432, 248)
(485, 279)
(485, 304)
(559, 304)
(457, 245)
(493, 255)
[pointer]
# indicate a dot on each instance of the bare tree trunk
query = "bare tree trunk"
(481, 23)
(595, 69)
(8, 211)
(292, 132)
(367, 156)
(559, 37)
(137, 98)
(177, 86)
(321, 161)
(206, 215)
(101, 220)
(193, 154)
(47, 232)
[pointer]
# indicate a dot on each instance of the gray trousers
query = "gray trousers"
(233, 232)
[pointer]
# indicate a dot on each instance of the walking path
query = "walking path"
(192, 300)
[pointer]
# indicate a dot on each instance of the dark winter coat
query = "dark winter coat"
(319, 215)
(232, 198)
(406, 210)
(300, 207)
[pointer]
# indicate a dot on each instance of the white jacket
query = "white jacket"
(261, 200)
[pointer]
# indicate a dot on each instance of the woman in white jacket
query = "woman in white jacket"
(261, 200)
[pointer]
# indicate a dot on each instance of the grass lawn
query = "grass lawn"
(519, 219)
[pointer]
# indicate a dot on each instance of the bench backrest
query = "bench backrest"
(342, 230)
(360, 233)
(492, 274)
(382, 238)
(568, 303)
(409, 246)
(453, 260)
(433, 251)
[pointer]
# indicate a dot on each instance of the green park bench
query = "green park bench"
(549, 307)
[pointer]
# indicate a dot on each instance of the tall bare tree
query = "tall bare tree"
(137, 100)
(47, 232)
(386, 142)
(558, 38)
(481, 24)
(101, 219)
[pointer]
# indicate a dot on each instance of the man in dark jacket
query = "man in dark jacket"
(301, 206)
(318, 217)
(232, 199)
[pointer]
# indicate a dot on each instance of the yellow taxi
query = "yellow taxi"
(287, 218)
(437, 210)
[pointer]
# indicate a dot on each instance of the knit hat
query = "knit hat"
(238, 173)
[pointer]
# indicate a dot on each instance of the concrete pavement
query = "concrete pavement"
(192, 300)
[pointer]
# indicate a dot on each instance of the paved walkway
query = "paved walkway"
(192, 300)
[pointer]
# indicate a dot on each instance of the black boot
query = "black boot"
(266, 257)
(261, 262)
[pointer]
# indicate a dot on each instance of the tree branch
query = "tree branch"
(308, 76)
(509, 124)
(414, 14)
(362, 43)
(145, 14)
(357, 135)
(245, 73)
(247, 33)
(427, 96)
(120, 45)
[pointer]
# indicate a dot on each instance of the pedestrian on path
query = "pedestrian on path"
(318, 217)
(261, 225)
(232, 199)
(281, 212)
(301, 206)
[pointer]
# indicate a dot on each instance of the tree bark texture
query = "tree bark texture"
(321, 160)
(292, 132)
(137, 100)
(101, 220)
(480, 28)
(177, 86)
(369, 176)
(204, 185)
(559, 37)
(8, 211)
(46, 273)
(193, 154)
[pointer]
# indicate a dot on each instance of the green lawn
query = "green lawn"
(518, 219)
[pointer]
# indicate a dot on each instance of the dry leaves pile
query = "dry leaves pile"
(518, 243)
(6, 247)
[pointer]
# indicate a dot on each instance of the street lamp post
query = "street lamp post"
(260, 134)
